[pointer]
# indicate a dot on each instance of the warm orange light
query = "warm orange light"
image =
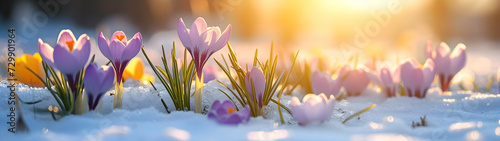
(134, 69)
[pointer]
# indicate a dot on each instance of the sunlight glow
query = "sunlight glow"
(473, 135)
(497, 131)
(389, 119)
(376, 125)
(449, 100)
(273, 135)
(177, 134)
(461, 125)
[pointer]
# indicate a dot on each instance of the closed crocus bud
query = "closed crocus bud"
(69, 56)
(322, 82)
(225, 113)
(312, 109)
(355, 80)
(447, 64)
(259, 83)
(416, 78)
(97, 82)
(202, 41)
(388, 79)
(134, 69)
(35, 64)
(119, 50)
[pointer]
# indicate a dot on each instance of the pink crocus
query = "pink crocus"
(387, 78)
(202, 41)
(313, 109)
(69, 55)
(354, 80)
(448, 64)
(259, 83)
(416, 78)
(120, 51)
(322, 82)
(97, 80)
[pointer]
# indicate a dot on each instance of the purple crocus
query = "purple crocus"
(202, 42)
(387, 78)
(259, 83)
(416, 78)
(322, 82)
(448, 64)
(313, 109)
(354, 80)
(97, 80)
(69, 56)
(120, 51)
(225, 113)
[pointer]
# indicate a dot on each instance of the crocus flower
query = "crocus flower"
(120, 51)
(322, 82)
(97, 81)
(69, 56)
(355, 80)
(447, 64)
(387, 78)
(135, 70)
(35, 64)
(416, 78)
(202, 42)
(313, 109)
(225, 113)
(259, 83)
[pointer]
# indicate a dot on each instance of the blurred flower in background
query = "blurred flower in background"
(25, 76)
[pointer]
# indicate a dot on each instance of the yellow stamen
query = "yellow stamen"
(120, 37)
(56, 109)
(70, 45)
(230, 110)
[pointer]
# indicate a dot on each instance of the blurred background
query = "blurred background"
(334, 29)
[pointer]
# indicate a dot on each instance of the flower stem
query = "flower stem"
(117, 103)
(198, 94)
(358, 113)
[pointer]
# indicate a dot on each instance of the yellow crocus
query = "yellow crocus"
(23, 75)
(135, 70)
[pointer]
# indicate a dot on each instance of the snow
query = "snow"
(457, 115)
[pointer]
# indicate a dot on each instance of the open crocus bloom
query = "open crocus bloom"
(416, 78)
(97, 82)
(202, 42)
(259, 83)
(387, 78)
(225, 113)
(69, 56)
(120, 51)
(322, 82)
(35, 64)
(355, 80)
(447, 64)
(313, 109)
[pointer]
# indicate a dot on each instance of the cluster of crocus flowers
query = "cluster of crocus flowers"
(119, 51)
(135, 70)
(387, 78)
(259, 84)
(417, 78)
(201, 42)
(354, 80)
(313, 108)
(97, 80)
(69, 56)
(448, 64)
(322, 82)
(226, 113)
(35, 64)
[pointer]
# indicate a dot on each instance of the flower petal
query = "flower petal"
(120, 36)
(183, 34)
(46, 52)
(65, 61)
(81, 50)
(197, 28)
(133, 47)
(91, 79)
(116, 48)
(65, 36)
(104, 46)
(222, 40)
(458, 58)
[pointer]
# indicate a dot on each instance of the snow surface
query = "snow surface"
(457, 115)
